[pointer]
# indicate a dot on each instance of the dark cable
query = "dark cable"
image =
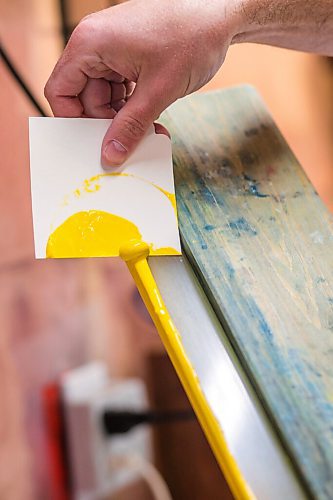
(120, 422)
(19, 80)
(65, 29)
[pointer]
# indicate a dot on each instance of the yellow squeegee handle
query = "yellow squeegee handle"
(135, 255)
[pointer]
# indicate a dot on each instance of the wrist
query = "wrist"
(239, 19)
(251, 19)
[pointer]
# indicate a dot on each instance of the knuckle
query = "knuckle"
(82, 30)
(87, 18)
(133, 127)
(78, 35)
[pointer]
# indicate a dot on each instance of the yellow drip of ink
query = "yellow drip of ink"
(135, 255)
(95, 233)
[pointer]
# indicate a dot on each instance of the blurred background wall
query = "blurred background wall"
(57, 315)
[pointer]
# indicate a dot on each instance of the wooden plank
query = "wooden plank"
(261, 242)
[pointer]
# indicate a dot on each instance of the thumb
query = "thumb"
(130, 125)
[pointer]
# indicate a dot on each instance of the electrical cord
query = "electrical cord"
(20, 81)
(120, 422)
(147, 471)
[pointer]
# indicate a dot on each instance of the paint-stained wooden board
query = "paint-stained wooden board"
(261, 242)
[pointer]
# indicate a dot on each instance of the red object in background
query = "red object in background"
(55, 442)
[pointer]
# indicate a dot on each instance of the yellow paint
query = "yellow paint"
(91, 185)
(95, 233)
(163, 251)
(170, 196)
(135, 254)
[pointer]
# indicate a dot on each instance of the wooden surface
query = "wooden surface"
(261, 242)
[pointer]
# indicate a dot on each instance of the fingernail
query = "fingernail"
(114, 154)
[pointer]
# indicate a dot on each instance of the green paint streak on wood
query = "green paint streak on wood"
(261, 242)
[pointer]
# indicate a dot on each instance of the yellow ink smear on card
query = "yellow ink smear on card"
(95, 234)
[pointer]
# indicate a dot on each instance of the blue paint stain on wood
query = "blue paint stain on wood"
(240, 226)
(253, 187)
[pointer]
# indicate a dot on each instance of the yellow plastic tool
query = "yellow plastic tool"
(135, 255)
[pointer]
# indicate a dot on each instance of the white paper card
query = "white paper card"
(67, 179)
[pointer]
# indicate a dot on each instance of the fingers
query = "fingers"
(96, 99)
(130, 125)
(102, 99)
(118, 95)
(62, 90)
(65, 84)
(79, 64)
(96, 91)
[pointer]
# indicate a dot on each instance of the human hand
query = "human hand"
(131, 61)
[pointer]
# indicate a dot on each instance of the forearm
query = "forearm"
(296, 24)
